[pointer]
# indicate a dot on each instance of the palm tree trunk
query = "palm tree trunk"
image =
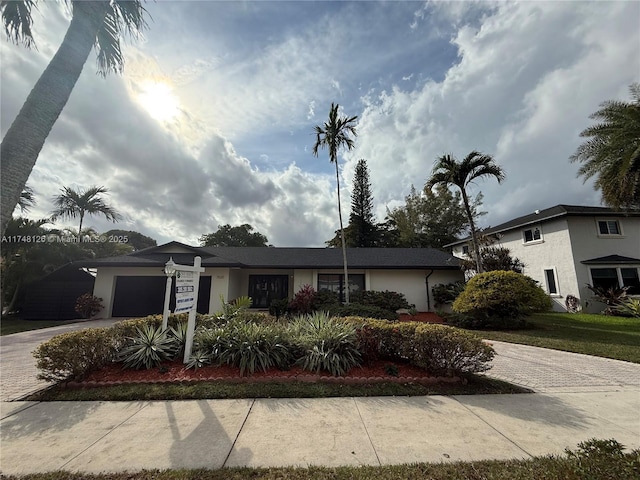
(80, 227)
(25, 138)
(474, 240)
(344, 244)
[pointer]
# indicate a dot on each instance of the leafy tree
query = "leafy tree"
(228, 236)
(495, 258)
(333, 135)
(448, 171)
(97, 23)
(71, 204)
(136, 240)
(431, 219)
(612, 152)
(361, 231)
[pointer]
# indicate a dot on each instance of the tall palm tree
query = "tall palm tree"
(27, 199)
(71, 204)
(612, 152)
(98, 23)
(448, 171)
(333, 135)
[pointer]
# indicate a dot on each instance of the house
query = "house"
(567, 247)
(134, 285)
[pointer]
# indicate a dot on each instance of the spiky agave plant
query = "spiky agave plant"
(149, 348)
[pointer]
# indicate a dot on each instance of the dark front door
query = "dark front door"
(265, 288)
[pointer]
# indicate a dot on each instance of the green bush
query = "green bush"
(74, 354)
(386, 300)
(327, 344)
(249, 346)
(360, 310)
(499, 299)
(444, 350)
(148, 348)
(445, 294)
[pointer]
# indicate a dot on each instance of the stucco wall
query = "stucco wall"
(412, 283)
(587, 244)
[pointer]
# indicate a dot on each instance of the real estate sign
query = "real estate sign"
(185, 291)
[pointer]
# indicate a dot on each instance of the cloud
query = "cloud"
(526, 111)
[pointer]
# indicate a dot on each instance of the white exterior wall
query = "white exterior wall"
(412, 283)
(587, 244)
(302, 278)
(552, 252)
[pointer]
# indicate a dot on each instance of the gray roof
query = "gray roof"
(611, 259)
(551, 213)
(277, 257)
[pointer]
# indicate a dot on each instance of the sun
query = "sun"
(158, 99)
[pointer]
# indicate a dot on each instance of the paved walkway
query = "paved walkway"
(582, 397)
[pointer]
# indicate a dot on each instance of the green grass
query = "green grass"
(10, 324)
(210, 390)
(598, 467)
(599, 335)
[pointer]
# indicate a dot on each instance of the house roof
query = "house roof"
(551, 213)
(611, 259)
(276, 257)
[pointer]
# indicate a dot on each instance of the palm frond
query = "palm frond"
(17, 20)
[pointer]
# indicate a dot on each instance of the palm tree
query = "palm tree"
(72, 204)
(447, 171)
(98, 23)
(333, 135)
(27, 199)
(612, 152)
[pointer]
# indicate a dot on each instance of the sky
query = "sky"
(212, 121)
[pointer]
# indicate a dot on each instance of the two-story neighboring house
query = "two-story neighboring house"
(566, 246)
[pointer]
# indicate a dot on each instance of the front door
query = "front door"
(265, 288)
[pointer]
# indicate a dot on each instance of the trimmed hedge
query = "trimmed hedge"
(440, 349)
(499, 299)
(74, 354)
(386, 300)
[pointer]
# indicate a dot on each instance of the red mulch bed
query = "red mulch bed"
(172, 372)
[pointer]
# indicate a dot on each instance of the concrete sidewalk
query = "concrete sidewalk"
(579, 397)
(117, 436)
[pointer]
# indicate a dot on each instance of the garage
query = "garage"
(139, 296)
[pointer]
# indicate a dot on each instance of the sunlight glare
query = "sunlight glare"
(158, 99)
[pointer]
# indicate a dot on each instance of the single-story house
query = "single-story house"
(566, 247)
(134, 284)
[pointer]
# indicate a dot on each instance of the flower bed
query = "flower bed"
(172, 372)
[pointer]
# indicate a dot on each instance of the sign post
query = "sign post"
(187, 286)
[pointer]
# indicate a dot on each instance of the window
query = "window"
(609, 227)
(613, 277)
(532, 235)
(550, 277)
(334, 282)
(630, 279)
(465, 250)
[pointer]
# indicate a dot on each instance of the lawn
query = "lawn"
(10, 324)
(599, 335)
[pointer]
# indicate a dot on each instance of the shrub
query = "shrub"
(449, 351)
(386, 300)
(88, 305)
(326, 300)
(149, 348)
(611, 297)
(380, 338)
(446, 294)
(198, 359)
(629, 308)
(328, 344)
(499, 299)
(74, 354)
(303, 301)
(360, 310)
(250, 346)
(279, 308)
